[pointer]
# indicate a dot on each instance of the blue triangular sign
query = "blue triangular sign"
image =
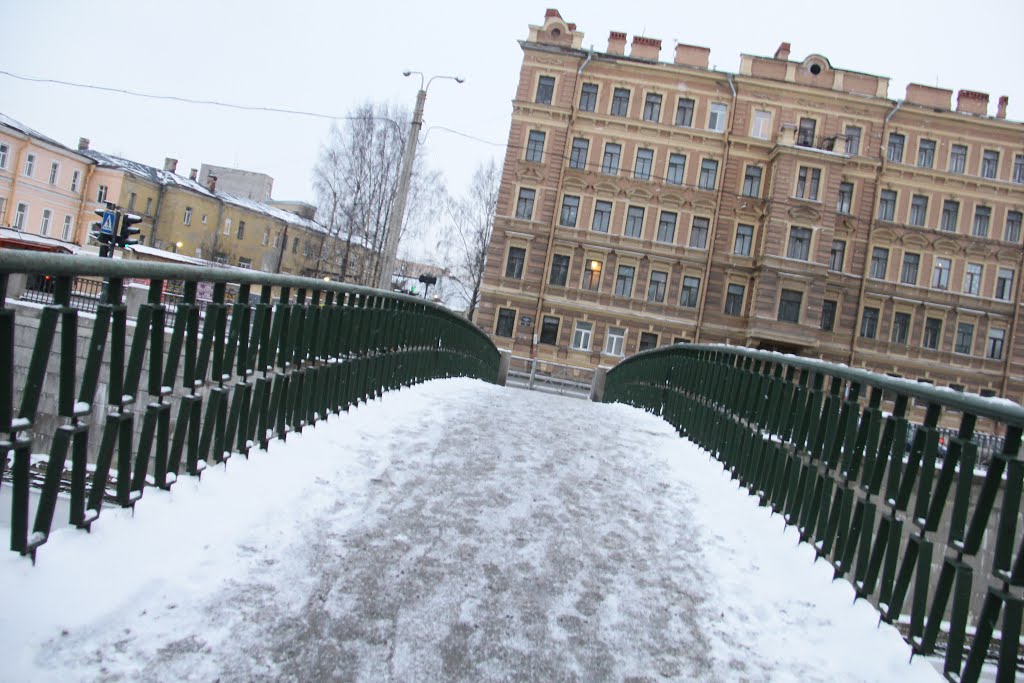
(108, 223)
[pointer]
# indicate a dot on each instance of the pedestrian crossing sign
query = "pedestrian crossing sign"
(109, 219)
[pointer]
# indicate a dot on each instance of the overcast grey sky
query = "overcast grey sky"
(327, 57)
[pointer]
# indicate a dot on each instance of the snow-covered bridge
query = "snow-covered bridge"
(454, 531)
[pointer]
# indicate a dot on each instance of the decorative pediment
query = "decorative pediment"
(946, 246)
(673, 198)
(804, 214)
(978, 249)
(606, 188)
(885, 235)
(575, 183)
(529, 174)
(638, 194)
(1008, 256)
(702, 204)
(915, 240)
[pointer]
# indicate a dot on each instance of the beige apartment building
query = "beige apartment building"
(790, 206)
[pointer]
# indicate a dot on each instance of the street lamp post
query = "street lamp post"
(394, 229)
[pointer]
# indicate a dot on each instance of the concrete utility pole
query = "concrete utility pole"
(394, 230)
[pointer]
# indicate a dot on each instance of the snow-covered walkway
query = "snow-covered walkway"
(455, 531)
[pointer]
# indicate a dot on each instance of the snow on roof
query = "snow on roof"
(143, 250)
(14, 234)
(132, 167)
(6, 120)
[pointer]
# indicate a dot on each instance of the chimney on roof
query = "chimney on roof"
(972, 102)
(645, 48)
(783, 51)
(83, 144)
(211, 183)
(616, 43)
(1001, 108)
(170, 165)
(193, 173)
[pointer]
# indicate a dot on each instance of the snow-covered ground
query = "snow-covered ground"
(454, 531)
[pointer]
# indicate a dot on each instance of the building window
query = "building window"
(964, 338)
(602, 216)
(545, 89)
(76, 177)
(676, 169)
(1012, 231)
(879, 263)
(612, 154)
(54, 172)
(1018, 168)
(690, 290)
(644, 161)
(295, 245)
(634, 221)
(245, 263)
(19, 216)
(648, 340)
(887, 205)
(578, 156)
(592, 275)
(734, 300)
(761, 126)
(652, 108)
(667, 227)
(514, 264)
(30, 165)
(588, 97)
(900, 328)
(227, 224)
(1004, 284)
(995, 344)
(524, 207)
(982, 218)
(828, 315)
(581, 336)
(699, 232)
(950, 215)
(940, 274)
(807, 182)
(716, 118)
(918, 209)
(896, 142)
(241, 230)
(744, 240)
(972, 279)
(837, 255)
(535, 146)
(869, 323)
(853, 134)
(559, 270)
(926, 153)
(752, 182)
(989, 163)
(549, 330)
(66, 232)
(266, 237)
(790, 303)
(684, 112)
(44, 224)
(101, 195)
(620, 102)
(624, 281)
(805, 132)
(5, 152)
(506, 322)
(131, 201)
(911, 264)
(149, 206)
(845, 201)
(570, 209)
(957, 158)
(799, 246)
(708, 174)
(656, 287)
(614, 341)
(188, 212)
(932, 333)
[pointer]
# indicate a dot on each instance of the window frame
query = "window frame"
(582, 335)
(612, 153)
(578, 153)
(718, 114)
(685, 108)
(887, 205)
(570, 209)
(918, 216)
(926, 148)
(652, 108)
(942, 269)
(752, 181)
(689, 290)
(656, 291)
(620, 102)
(558, 275)
(758, 122)
(632, 220)
(505, 323)
(662, 224)
(699, 234)
(625, 275)
(989, 164)
(789, 309)
(845, 199)
(931, 333)
(963, 342)
(545, 92)
(515, 262)
(614, 338)
(601, 219)
(735, 294)
(879, 262)
(911, 264)
(950, 219)
(958, 158)
(708, 169)
(832, 255)
(982, 222)
(894, 149)
(869, 322)
(676, 169)
(1012, 226)
(900, 332)
(644, 156)
(546, 336)
(743, 242)
(588, 97)
(535, 146)
(525, 203)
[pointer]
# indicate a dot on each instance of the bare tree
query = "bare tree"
(470, 219)
(355, 179)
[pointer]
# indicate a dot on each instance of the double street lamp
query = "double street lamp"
(394, 229)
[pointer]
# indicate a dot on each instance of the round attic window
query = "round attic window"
(815, 69)
(555, 32)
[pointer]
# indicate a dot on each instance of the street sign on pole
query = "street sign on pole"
(109, 224)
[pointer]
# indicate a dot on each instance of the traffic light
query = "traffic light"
(427, 280)
(128, 231)
(107, 229)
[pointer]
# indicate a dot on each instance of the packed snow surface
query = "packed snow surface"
(455, 531)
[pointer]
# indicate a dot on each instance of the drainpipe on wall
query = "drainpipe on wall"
(80, 228)
(20, 164)
(718, 207)
(871, 229)
(566, 146)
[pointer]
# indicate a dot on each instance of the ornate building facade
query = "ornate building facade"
(790, 206)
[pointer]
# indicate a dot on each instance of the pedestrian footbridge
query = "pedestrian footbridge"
(497, 533)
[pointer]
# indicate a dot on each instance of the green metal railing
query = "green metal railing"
(214, 384)
(826, 446)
